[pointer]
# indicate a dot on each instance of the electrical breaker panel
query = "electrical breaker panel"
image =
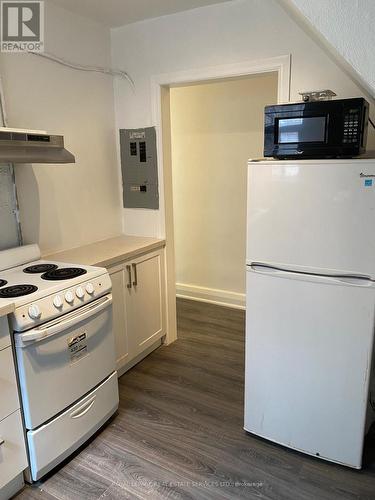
(139, 168)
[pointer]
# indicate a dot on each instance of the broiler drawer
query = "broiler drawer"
(54, 441)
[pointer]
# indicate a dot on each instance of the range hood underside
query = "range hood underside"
(21, 154)
(32, 146)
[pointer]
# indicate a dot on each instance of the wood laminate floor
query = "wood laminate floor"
(178, 433)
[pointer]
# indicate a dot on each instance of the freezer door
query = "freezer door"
(312, 215)
(308, 358)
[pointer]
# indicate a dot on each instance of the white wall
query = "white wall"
(64, 206)
(349, 26)
(215, 128)
(220, 34)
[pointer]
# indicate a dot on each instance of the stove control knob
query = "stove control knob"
(69, 297)
(90, 288)
(34, 312)
(80, 292)
(57, 302)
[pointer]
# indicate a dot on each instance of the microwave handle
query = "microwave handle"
(41, 333)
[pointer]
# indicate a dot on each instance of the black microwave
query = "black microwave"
(316, 129)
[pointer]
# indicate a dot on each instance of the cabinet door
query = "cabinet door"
(9, 401)
(145, 301)
(4, 333)
(13, 458)
(119, 282)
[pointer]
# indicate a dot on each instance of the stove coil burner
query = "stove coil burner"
(3, 282)
(39, 268)
(63, 273)
(17, 291)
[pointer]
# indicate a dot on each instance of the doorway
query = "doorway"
(161, 88)
(216, 127)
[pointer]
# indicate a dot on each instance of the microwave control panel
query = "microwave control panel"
(351, 126)
(139, 168)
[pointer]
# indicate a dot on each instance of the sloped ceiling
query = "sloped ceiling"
(346, 28)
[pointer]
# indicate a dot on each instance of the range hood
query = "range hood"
(32, 146)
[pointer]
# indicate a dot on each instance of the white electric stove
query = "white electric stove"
(64, 348)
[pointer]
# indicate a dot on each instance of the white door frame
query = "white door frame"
(160, 85)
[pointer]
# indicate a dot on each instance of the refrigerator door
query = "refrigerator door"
(308, 362)
(312, 215)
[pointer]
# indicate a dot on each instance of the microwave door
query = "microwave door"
(301, 130)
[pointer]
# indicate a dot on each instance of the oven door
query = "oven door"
(61, 361)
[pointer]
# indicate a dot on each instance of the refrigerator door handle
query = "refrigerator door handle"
(356, 280)
(349, 279)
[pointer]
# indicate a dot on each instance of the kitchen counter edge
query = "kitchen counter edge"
(109, 252)
(6, 307)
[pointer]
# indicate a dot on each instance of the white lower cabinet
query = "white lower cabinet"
(4, 333)
(120, 327)
(138, 290)
(12, 449)
(13, 459)
(9, 401)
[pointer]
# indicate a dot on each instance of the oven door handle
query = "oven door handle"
(57, 327)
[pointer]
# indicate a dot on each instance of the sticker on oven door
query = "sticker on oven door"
(77, 347)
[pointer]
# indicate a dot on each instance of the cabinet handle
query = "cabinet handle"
(135, 282)
(129, 269)
(1, 441)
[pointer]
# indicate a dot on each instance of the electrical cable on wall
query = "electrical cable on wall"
(68, 64)
(80, 67)
(4, 120)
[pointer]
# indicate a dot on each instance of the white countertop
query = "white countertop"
(107, 252)
(6, 307)
(101, 253)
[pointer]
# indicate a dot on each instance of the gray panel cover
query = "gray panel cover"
(139, 168)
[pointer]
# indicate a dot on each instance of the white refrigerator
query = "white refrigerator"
(310, 305)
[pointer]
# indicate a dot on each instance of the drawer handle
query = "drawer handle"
(1, 441)
(135, 282)
(129, 269)
(85, 407)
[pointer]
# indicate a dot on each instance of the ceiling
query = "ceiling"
(115, 13)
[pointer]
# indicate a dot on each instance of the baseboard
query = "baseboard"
(211, 295)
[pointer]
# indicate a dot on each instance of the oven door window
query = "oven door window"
(301, 130)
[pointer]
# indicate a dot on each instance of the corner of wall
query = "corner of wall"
(306, 25)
